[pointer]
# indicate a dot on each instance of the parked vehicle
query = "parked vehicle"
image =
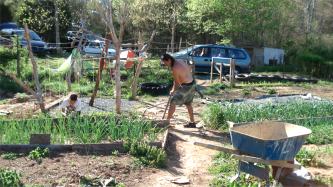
(202, 55)
(37, 44)
(95, 48)
(8, 25)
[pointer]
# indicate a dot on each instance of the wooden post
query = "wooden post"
(221, 72)
(138, 69)
(38, 93)
(180, 43)
(100, 68)
(25, 88)
(56, 16)
(211, 71)
(232, 73)
(18, 68)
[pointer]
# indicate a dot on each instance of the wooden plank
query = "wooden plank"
(44, 139)
(221, 72)
(211, 71)
(278, 163)
(57, 101)
(26, 148)
(218, 148)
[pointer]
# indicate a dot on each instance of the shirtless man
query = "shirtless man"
(183, 89)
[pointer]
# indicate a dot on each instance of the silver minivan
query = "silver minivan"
(202, 56)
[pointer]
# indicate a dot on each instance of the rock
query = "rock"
(180, 180)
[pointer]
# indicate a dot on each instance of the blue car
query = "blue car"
(202, 55)
(37, 44)
(8, 25)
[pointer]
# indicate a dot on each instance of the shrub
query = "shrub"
(213, 117)
(147, 155)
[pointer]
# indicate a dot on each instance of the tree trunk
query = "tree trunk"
(138, 69)
(38, 94)
(117, 78)
(173, 29)
(100, 69)
(25, 87)
(56, 16)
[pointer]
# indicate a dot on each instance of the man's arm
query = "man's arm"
(176, 81)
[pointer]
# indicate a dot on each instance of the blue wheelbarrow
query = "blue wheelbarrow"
(267, 143)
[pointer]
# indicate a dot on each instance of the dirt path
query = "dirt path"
(186, 159)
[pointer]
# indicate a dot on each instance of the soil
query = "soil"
(26, 109)
(69, 169)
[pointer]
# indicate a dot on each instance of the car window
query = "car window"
(236, 54)
(201, 52)
(218, 52)
(33, 35)
(94, 45)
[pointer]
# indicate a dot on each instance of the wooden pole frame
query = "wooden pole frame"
(100, 68)
(38, 93)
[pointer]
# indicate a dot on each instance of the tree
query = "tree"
(115, 12)
(40, 16)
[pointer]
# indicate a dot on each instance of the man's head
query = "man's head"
(168, 60)
(72, 99)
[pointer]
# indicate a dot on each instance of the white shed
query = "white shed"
(266, 56)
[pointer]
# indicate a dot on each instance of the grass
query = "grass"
(88, 129)
(214, 89)
(223, 168)
(322, 128)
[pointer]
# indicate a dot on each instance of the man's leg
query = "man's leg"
(171, 110)
(190, 112)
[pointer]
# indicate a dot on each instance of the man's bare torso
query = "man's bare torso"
(182, 72)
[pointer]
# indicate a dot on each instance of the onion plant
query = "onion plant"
(88, 129)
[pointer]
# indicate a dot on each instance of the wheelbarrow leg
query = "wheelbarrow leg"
(277, 177)
(235, 177)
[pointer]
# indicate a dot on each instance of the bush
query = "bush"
(213, 117)
(147, 155)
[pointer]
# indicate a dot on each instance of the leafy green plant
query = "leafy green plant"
(147, 155)
(272, 91)
(9, 178)
(21, 97)
(246, 92)
(38, 154)
(214, 117)
(10, 156)
(307, 158)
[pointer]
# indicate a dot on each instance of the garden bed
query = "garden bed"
(90, 134)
